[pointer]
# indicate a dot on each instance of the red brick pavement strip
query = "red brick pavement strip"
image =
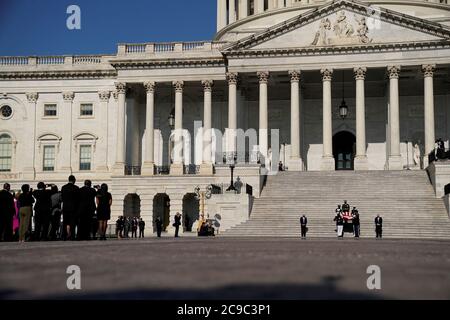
(217, 268)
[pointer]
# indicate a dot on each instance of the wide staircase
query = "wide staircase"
(405, 200)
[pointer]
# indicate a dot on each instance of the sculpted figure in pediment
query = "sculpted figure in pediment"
(321, 38)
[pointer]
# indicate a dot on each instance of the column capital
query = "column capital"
(150, 86)
(428, 70)
(327, 74)
(295, 75)
(263, 76)
(104, 95)
(115, 95)
(178, 85)
(207, 85)
(360, 73)
(393, 72)
(68, 96)
(32, 97)
(232, 77)
(121, 87)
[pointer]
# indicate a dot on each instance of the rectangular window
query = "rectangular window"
(5, 155)
(86, 109)
(85, 157)
(50, 110)
(49, 158)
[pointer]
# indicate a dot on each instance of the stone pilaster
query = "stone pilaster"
(206, 167)
(119, 165)
(102, 155)
(29, 172)
(66, 149)
(177, 168)
(148, 168)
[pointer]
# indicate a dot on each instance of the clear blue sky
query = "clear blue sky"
(38, 27)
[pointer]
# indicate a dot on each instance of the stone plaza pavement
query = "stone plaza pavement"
(231, 268)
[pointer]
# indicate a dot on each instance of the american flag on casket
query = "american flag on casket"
(347, 216)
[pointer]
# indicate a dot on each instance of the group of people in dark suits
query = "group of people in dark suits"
(126, 224)
(85, 212)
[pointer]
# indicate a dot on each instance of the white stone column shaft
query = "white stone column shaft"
(221, 14)
(327, 157)
(263, 113)
(428, 71)
(280, 3)
(120, 147)
(259, 6)
(231, 11)
(232, 111)
(149, 158)
(295, 161)
(178, 151)
(207, 118)
(243, 9)
(289, 3)
(395, 161)
(361, 157)
(66, 150)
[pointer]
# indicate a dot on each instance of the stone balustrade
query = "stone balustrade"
(168, 47)
(52, 60)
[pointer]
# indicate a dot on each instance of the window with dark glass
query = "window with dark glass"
(86, 109)
(50, 110)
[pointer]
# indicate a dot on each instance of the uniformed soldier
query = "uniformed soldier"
(345, 207)
(158, 224)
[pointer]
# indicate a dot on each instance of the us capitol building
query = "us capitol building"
(334, 90)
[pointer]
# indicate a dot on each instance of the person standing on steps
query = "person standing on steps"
(141, 228)
(177, 224)
(158, 224)
(379, 226)
(303, 226)
(356, 224)
(340, 225)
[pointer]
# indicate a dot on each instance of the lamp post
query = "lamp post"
(202, 196)
(232, 164)
(343, 109)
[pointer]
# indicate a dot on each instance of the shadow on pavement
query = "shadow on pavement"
(326, 290)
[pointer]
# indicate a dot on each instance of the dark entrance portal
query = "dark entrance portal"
(344, 150)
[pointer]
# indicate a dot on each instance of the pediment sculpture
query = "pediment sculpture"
(342, 32)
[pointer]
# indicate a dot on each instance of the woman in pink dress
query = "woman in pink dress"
(16, 221)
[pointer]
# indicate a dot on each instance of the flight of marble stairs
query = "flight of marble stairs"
(405, 200)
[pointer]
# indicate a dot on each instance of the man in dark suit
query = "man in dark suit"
(42, 211)
(379, 226)
(177, 224)
(86, 210)
(7, 212)
(70, 197)
(158, 224)
(303, 223)
(356, 223)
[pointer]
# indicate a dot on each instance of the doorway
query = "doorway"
(344, 143)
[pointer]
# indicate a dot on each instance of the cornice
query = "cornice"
(167, 63)
(343, 49)
(50, 75)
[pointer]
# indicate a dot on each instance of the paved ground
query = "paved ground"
(216, 268)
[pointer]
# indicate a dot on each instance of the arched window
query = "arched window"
(5, 153)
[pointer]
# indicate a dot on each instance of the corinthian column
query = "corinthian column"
(428, 71)
(295, 161)
(177, 168)
(149, 162)
(232, 112)
(207, 167)
(66, 152)
(102, 152)
(327, 157)
(395, 160)
(361, 162)
(263, 114)
(119, 166)
(30, 169)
